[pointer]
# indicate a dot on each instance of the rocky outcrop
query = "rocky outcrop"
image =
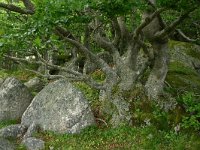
(14, 99)
(183, 71)
(59, 107)
(32, 143)
(185, 53)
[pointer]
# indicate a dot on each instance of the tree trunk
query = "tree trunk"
(155, 82)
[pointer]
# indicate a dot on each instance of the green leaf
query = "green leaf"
(37, 41)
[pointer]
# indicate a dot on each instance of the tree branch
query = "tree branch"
(111, 76)
(73, 75)
(94, 58)
(166, 31)
(188, 39)
(146, 21)
(152, 4)
(117, 31)
(29, 7)
(107, 45)
(47, 76)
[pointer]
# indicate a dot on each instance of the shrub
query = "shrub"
(192, 105)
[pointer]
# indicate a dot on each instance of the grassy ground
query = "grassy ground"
(121, 138)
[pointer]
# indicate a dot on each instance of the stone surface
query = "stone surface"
(12, 131)
(185, 53)
(1, 81)
(14, 99)
(183, 72)
(59, 107)
(33, 143)
(32, 129)
(6, 145)
(35, 84)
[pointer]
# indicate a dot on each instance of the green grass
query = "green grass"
(20, 74)
(6, 123)
(121, 138)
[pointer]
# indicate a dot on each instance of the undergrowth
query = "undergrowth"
(153, 129)
(122, 138)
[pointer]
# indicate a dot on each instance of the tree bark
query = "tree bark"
(155, 82)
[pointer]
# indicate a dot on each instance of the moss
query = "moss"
(189, 48)
(184, 82)
(91, 94)
(180, 68)
(193, 53)
(7, 123)
(22, 75)
(98, 75)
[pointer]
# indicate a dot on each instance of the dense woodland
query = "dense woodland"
(117, 52)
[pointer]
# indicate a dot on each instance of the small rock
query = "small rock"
(32, 129)
(12, 131)
(6, 145)
(32, 143)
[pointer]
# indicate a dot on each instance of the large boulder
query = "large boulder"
(14, 99)
(183, 71)
(59, 107)
(186, 53)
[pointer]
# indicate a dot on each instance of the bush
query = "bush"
(192, 105)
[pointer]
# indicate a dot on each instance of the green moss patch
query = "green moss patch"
(193, 53)
(22, 75)
(7, 123)
(187, 48)
(179, 68)
(184, 82)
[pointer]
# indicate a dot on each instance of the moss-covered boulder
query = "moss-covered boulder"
(182, 74)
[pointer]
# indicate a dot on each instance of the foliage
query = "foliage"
(7, 123)
(179, 5)
(20, 74)
(98, 75)
(91, 94)
(191, 102)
